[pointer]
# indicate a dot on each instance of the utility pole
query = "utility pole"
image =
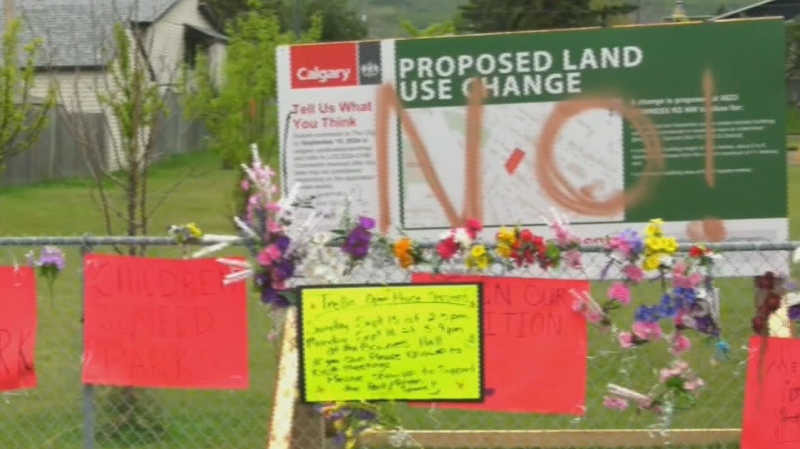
(295, 17)
(8, 12)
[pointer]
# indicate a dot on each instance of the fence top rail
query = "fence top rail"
(93, 241)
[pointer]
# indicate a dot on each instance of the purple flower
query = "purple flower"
(357, 242)
(283, 243)
(366, 223)
(271, 297)
(794, 313)
(51, 257)
(283, 270)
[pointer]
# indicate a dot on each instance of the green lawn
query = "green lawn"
(50, 416)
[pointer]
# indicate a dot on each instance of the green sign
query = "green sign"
(661, 70)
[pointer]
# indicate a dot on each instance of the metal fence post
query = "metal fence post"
(87, 390)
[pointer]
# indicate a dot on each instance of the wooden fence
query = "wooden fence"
(58, 155)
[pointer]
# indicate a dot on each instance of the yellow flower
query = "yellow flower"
(506, 236)
(504, 250)
(478, 258)
(651, 263)
(478, 251)
(653, 244)
(670, 245)
(194, 231)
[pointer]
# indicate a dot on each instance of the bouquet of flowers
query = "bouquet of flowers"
(49, 264)
(688, 301)
(514, 247)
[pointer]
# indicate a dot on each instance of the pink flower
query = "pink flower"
(681, 280)
(615, 403)
(621, 245)
(633, 273)
(270, 254)
(447, 248)
(573, 258)
(273, 226)
(625, 340)
(620, 292)
(680, 344)
(473, 227)
(594, 316)
(694, 384)
(245, 185)
(647, 331)
(681, 367)
(666, 374)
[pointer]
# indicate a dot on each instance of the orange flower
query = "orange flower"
(403, 251)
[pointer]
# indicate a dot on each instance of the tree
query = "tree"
(243, 110)
(493, 16)
(23, 118)
(339, 21)
(130, 109)
(437, 29)
(792, 50)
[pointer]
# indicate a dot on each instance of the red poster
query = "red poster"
(535, 346)
(771, 416)
(17, 328)
(161, 323)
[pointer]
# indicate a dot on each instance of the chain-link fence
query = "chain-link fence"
(62, 413)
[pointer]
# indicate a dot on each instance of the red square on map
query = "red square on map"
(324, 65)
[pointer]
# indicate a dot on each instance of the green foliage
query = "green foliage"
(491, 16)
(792, 50)
(22, 117)
(437, 29)
(242, 109)
(340, 22)
(133, 100)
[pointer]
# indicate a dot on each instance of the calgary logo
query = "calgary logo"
(370, 70)
(322, 75)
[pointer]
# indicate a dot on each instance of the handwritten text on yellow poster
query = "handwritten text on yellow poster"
(408, 342)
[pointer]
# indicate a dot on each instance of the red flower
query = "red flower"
(696, 252)
(759, 325)
(766, 282)
(773, 302)
(447, 248)
(473, 227)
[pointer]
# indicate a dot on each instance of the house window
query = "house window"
(195, 43)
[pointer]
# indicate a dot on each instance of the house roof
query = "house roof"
(789, 9)
(78, 33)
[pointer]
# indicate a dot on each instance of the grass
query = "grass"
(50, 416)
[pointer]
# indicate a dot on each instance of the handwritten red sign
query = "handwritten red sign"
(158, 323)
(771, 416)
(17, 328)
(535, 346)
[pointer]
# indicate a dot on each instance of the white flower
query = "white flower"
(446, 235)
(796, 256)
(321, 238)
(667, 261)
(462, 238)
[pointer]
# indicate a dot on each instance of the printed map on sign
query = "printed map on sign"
(588, 152)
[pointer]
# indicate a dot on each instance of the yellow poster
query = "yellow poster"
(391, 342)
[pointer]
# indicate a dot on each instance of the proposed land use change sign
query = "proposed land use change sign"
(567, 122)
(396, 342)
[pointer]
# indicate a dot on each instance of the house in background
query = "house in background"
(167, 35)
